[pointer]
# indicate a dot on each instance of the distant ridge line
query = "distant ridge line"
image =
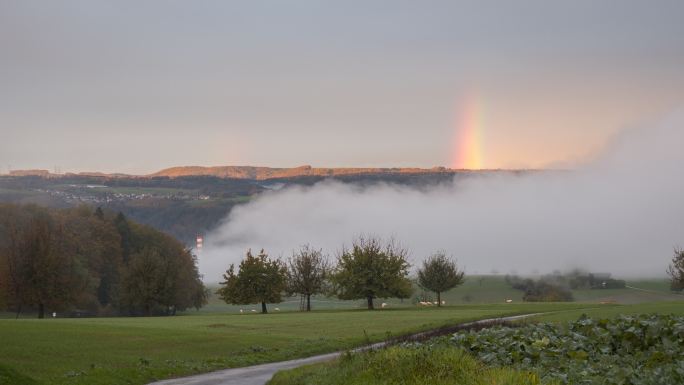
(264, 173)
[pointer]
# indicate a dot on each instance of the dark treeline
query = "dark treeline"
(183, 219)
(557, 286)
(544, 289)
(82, 261)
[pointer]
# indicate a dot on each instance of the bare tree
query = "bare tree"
(307, 273)
(676, 270)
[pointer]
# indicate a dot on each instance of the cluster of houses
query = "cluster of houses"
(77, 195)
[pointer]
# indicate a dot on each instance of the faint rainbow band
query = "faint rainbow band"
(467, 147)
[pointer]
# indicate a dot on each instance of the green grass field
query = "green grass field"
(606, 311)
(138, 350)
(485, 289)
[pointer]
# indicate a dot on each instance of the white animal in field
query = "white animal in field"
(436, 303)
(241, 311)
(277, 309)
(384, 305)
(509, 300)
(253, 310)
(443, 302)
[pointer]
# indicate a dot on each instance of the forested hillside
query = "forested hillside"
(80, 261)
(187, 205)
(181, 207)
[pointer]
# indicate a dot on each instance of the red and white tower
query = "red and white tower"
(200, 242)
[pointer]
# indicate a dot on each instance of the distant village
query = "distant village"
(90, 194)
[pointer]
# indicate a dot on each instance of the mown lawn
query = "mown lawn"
(139, 350)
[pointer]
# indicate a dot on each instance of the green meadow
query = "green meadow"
(139, 350)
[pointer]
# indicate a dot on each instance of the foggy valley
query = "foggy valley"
(342, 192)
(620, 213)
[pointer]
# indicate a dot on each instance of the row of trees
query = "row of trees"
(557, 287)
(89, 261)
(368, 270)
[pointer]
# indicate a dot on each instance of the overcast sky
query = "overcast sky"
(135, 86)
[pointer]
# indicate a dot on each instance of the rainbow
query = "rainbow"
(467, 150)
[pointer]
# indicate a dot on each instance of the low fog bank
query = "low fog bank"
(621, 213)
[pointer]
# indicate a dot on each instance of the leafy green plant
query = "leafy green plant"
(645, 349)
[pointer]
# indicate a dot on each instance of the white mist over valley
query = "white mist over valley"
(622, 213)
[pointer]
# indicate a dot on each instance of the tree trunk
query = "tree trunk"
(41, 310)
(370, 302)
(147, 310)
(439, 299)
(308, 302)
(263, 308)
(18, 311)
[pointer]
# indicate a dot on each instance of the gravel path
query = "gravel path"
(260, 374)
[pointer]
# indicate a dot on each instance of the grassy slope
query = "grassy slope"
(9, 376)
(482, 290)
(614, 311)
(434, 366)
(137, 350)
(441, 366)
(493, 289)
